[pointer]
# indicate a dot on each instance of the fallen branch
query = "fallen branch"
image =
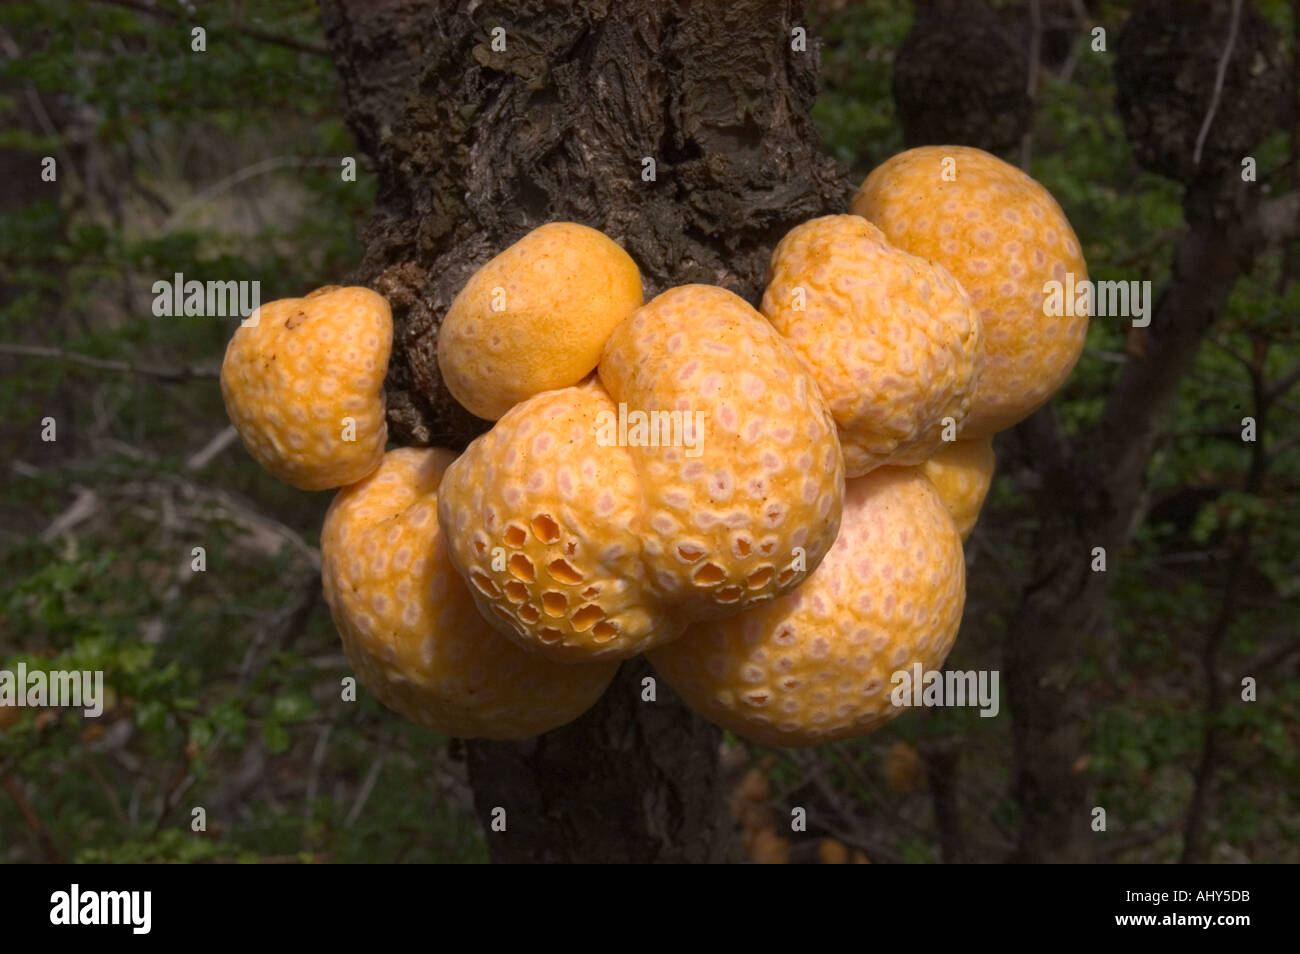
(258, 168)
(220, 441)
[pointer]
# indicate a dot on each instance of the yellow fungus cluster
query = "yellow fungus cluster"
(769, 503)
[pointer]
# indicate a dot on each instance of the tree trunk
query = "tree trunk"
(681, 130)
(1093, 496)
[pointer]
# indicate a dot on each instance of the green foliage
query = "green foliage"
(223, 687)
(855, 112)
(1144, 675)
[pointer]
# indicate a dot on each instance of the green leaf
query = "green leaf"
(276, 737)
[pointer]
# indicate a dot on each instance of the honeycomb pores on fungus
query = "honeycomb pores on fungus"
(544, 523)
(1004, 237)
(747, 510)
(303, 382)
(891, 339)
(583, 537)
(817, 664)
(410, 627)
(962, 472)
(535, 317)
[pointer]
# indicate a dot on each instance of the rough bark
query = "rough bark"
(1165, 87)
(474, 147)
(629, 782)
(960, 77)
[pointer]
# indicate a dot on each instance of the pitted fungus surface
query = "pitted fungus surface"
(544, 524)
(817, 664)
(1004, 237)
(891, 339)
(410, 627)
(303, 383)
(723, 528)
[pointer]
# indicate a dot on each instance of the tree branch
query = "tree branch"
(269, 164)
(162, 374)
(1268, 659)
(1284, 383)
(1219, 75)
(1215, 690)
(1228, 227)
(31, 818)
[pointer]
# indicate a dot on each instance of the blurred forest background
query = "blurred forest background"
(224, 684)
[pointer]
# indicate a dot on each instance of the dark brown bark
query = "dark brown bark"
(474, 147)
(942, 764)
(1166, 59)
(631, 781)
(960, 77)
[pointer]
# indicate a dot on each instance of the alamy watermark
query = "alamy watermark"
(651, 429)
(60, 688)
(193, 298)
(1130, 299)
(131, 908)
(932, 688)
